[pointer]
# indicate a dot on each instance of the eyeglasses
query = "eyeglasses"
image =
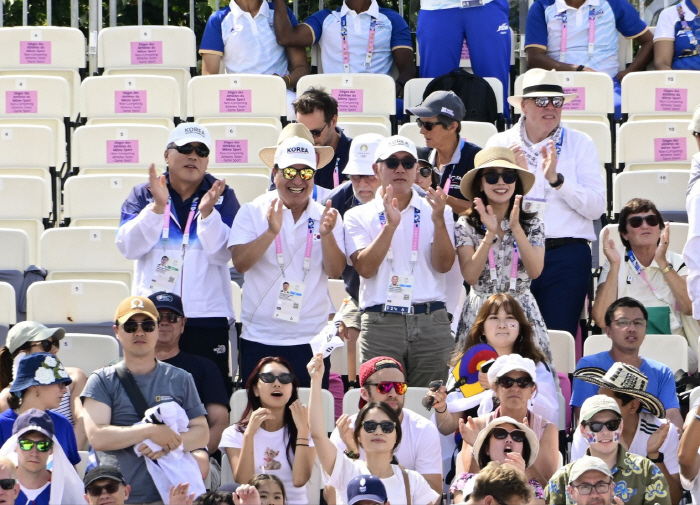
(636, 221)
(111, 488)
(507, 382)
(318, 132)
(148, 326)
(46, 345)
(509, 177)
(386, 426)
(7, 484)
(305, 173)
(170, 317)
(358, 178)
(502, 433)
(385, 386)
(427, 125)
(201, 150)
(597, 426)
(269, 378)
(600, 488)
(393, 163)
(543, 101)
(425, 171)
(623, 322)
(28, 445)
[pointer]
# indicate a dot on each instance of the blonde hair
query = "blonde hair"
(6, 462)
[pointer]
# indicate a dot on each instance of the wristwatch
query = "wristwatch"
(660, 459)
(666, 270)
(558, 182)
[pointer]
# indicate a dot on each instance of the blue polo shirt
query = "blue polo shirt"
(248, 45)
(391, 32)
(544, 23)
(669, 27)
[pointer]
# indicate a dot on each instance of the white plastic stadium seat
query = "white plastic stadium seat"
(413, 94)
(14, 249)
(96, 200)
(8, 308)
(659, 94)
(671, 350)
(655, 145)
(237, 299)
(666, 188)
(412, 400)
(472, 131)
(247, 186)
(353, 129)
(88, 352)
(236, 145)
(563, 348)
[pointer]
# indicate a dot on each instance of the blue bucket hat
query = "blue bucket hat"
(39, 369)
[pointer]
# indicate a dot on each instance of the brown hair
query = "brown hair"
(636, 206)
(524, 346)
(316, 99)
(502, 482)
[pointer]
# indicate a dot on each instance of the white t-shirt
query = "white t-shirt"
(648, 424)
(264, 280)
(270, 457)
(346, 469)
(419, 449)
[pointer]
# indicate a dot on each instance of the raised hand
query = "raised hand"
(246, 495)
(516, 460)
(179, 496)
(159, 190)
(549, 162)
(257, 418)
(316, 367)
(514, 221)
(468, 430)
(437, 199)
(345, 430)
(520, 159)
(211, 197)
(609, 249)
(439, 398)
(275, 216)
(300, 417)
(662, 248)
(484, 380)
(328, 219)
(391, 207)
(657, 439)
(488, 218)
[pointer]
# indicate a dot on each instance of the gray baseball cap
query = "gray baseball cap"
(442, 103)
(586, 463)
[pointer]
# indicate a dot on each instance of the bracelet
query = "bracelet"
(302, 438)
(290, 81)
(580, 68)
(441, 412)
(302, 445)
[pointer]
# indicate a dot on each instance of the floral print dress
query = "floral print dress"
(465, 235)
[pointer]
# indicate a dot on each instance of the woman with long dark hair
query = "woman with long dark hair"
(272, 435)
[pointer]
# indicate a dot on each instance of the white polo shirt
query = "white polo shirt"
(573, 207)
(263, 280)
(362, 226)
(248, 44)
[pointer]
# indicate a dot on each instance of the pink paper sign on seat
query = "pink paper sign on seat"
(670, 149)
(232, 151)
(349, 100)
(235, 100)
(671, 100)
(578, 103)
(35, 52)
(122, 151)
(131, 102)
(147, 52)
(21, 102)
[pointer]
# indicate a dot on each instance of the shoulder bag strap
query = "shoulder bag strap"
(132, 389)
(406, 484)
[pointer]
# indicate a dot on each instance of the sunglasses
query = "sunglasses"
(202, 150)
(170, 317)
(600, 488)
(319, 131)
(28, 445)
(305, 173)
(269, 378)
(148, 326)
(425, 172)
(507, 382)
(386, 426)
(385, 386)
(46, 345)
(7, 484)
(111, 488)
(636, 221)
(597, 426)
(426, 124)
(509, 177)
(543, 101)
(393, 163)
(502, 433)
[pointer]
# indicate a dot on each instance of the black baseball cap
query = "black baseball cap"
(440, 103)
(103, 472)
(165, 300)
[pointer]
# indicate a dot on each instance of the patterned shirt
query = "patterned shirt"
(637, 481)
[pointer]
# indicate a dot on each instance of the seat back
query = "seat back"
(413, 94)
(665, 188)
(8, 307)
(14, 249)
(563, 348)
(88, 352)
(236, 147)
(660, 94)
(96, 200)
(412, 400)
(247, 186)
(671, 350)
(354, 128)
(655, 145)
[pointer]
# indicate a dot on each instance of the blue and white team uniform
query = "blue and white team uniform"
(680, 24)
(443, 25)
(597, 21)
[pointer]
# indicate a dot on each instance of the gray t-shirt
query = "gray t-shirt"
(166, 383)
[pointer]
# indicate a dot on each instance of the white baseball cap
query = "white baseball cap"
(509, 363)
(694, 125)
(362, 152)
(185, 133)
(295, 151)
(394, 144)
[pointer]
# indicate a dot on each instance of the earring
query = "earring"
(483, 338)
(519, 339)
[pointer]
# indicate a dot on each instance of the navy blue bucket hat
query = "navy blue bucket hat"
(39, 369)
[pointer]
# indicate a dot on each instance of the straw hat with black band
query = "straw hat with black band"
(325, 154)
(529, 436)
(494, 157)
(626, 379)
(539, 82)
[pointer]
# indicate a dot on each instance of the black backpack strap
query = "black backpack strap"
(132, 389)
